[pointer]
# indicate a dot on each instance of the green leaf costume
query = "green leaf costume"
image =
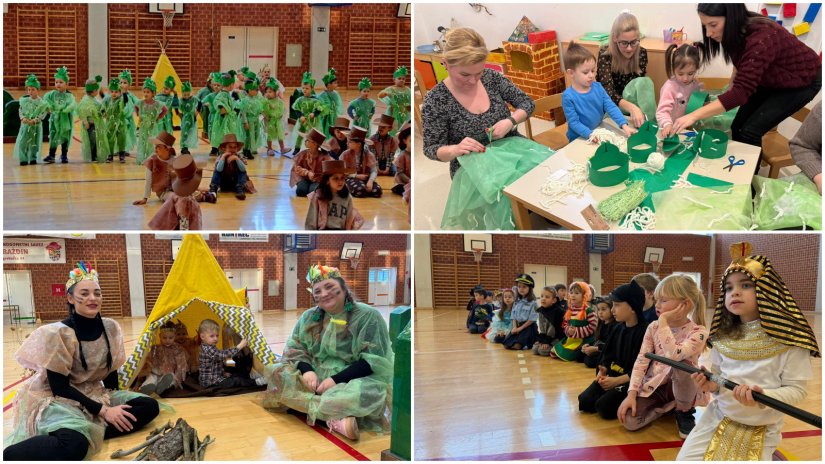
(131, 127)
(333, 107)
(398, 105)
(30, 138)
(117, 123)
(62, 106)
(222, 124)
(273, 110)
(306, 106)
(189, 122)
(170, 101)
(90, 110)
(251, 109)
(150, 127)
(361, 111)
(329, 345)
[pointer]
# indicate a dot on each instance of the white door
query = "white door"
(252, 280)
(290, 281)
(545, 275)
(233, 47)
(17, 290)
(536, 271)
(382, 286)
(262, 48)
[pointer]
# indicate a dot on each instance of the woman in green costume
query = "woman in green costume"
(224, 119)
(94, 141)
(333, 104)
(62, 106)
(338, 364)
(131, 101)
(188, 119)
(33, 110)
(150, 113)
(362, 109)
(397, 97)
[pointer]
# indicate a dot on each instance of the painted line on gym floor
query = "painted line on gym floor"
(74, 181)
(329, 436)
(15, 383)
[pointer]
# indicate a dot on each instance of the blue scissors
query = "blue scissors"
(733, 162)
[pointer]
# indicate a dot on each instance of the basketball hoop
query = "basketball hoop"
(655, 265)
(168, 16)
(477, 252)
(353, 263)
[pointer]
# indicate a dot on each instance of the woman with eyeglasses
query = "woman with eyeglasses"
(775, 74)
(621, 61)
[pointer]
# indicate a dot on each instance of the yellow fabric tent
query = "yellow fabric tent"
(163, 69)
(196, 289)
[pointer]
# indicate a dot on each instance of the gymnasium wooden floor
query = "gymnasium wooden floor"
(477, 401)
(87, 196)
(242, 428)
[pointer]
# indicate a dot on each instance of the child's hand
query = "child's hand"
(303, 119)
(140, 202)
(223, 111)
(369, 185)
(310, 380)
(703, 383)
(243, 344)
(602, 373)
(684, 122)
(86, 125)
(636, 116)
(325, 385)
(628, 131)
(744, 395)
(629, 404)
(681, 311)
(609, 382)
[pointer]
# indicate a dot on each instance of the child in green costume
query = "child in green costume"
(33, 110)
(94, 140)
(251, 106)
(207, 110)
(62, 105)
(169, 98)
(116, 118)
(131, 101)
(224, 119)
(397, 97)
(150, 113)
(308, 108)
(273, 114)
(333, 104)
(362, 109)
(188, 112)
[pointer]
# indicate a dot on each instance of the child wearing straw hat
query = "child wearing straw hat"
(330, 206)
(339, 141)
(230, 170)
(181, 210)
(307, 169)
(362, 182)
(362, 109)
(61, 105)
(94, 143)
(33, 110)
(384, 145)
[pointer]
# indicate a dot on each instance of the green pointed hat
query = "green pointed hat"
(272, 84)
(364, 83)
(92, 84)
(169, 83)
(114, 84)
(62, 74)
(252, 84)
(31, 81)
(126, 75)
(150, 84)
(400, 72)
(186, 87)
(329, 77)
(227, 79)
(307, 79)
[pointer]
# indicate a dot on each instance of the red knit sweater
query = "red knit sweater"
(772, 58)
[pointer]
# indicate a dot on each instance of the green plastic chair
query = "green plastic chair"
(401, 435)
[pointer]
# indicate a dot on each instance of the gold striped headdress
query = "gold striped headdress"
(779, 315)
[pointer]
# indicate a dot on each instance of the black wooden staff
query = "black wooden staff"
(774, 403)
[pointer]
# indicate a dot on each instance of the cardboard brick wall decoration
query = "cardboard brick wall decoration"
(522, 30)
(535, 69)
(541, 36)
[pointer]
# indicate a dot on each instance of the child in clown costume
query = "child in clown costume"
(251, 106)
(169, 98)
(131, 101)
(188, 112)
(94, 141)
(116, 119)
(333, 105)
(397, 97)
(33, 110)
(309, 108)
(337, 364)
(224, 119)
(362, 108)
(579, 324)
(273, 110)
(150, 114)
(761, 340)
(62, 106)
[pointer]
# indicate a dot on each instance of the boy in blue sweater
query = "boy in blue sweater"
(585, 102)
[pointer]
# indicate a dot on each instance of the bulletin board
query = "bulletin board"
(793, 17)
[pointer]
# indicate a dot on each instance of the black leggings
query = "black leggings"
(766, 108)
(69, 445)
(606, 403)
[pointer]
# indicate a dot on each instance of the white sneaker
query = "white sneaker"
(347, 427)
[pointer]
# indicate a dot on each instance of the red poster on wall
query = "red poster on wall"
(58, 289)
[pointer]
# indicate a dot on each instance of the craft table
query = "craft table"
(525, 195)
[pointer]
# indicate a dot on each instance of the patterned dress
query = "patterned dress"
(62, 106)
(150, 127)
(30, 138)
(189, 122)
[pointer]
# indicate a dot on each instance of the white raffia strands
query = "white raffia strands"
(640, 218)
(719, 219)
(682, 182)
(564, 183)
(601, 134)
(697, 202)
(721, 192)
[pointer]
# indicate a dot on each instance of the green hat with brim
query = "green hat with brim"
(150, 84)
(31, 81)
(400, 72)
(62, 74)
(364, 83)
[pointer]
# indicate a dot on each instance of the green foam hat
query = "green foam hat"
(150, 84)
(272, 84)
(308, 79)
(364, 83)
(126, 75)
(31, 81)
(400, 72)
(114, 84)
(641, 144)
(186, 87)
(215, 76)
(62, 74)
(92, 85)
(227, 79)
(329, 77)
(169, 83)
(252, 84)
(608, 156)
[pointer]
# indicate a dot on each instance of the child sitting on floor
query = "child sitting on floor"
(230, 170)
(167, 363)
(190, 344)
(579, 324)
(211, 360)
(648, 282)
(362, 161)
(585, 102)
(609, 389)
(339, 142)
(607, 323)
(482, 313)
(403, 161)
(502, 322)
(523, 334)
(384, 145)
(544, 325)
(330, 205)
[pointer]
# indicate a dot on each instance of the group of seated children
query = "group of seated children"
(178, 356)
(758, 336)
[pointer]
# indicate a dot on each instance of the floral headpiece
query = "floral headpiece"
(320, 272)
(83, 271)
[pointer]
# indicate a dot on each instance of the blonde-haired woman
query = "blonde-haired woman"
(622, 60)
(458, 111)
